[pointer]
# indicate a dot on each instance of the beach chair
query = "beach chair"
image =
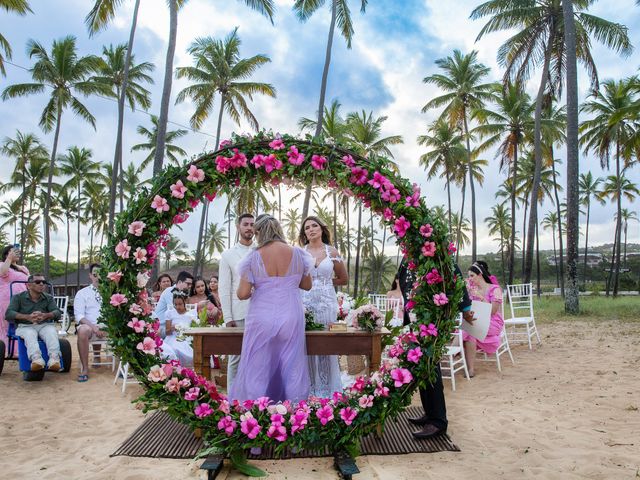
(453, 360)
(123, 373)
(502, 349)
(65, 322)
(522, 322)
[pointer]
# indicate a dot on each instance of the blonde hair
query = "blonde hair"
(267, 230)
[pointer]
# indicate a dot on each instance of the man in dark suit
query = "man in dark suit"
(434, 421)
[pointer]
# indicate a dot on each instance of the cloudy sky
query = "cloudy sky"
(394, 48)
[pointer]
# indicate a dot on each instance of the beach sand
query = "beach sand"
(568, 409)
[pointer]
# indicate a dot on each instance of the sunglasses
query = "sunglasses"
(39, 282)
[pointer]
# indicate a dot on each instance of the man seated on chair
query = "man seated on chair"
(34, 313)
(86, 310)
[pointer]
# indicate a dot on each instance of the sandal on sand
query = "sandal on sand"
(83, 377)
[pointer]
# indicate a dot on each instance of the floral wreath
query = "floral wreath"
(337, 422)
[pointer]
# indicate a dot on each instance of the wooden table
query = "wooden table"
(228, 341)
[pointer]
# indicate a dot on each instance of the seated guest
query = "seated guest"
(172, 347)
(213, 288)
(484, 287)
(34, 313)
(164, 281)
(202, 298)
(393, 294)
(165, 303)
(86, 310)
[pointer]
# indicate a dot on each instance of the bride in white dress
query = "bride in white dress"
(329, 271)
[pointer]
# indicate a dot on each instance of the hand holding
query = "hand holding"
(468, 317)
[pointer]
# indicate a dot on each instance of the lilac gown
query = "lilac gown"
(274, 355)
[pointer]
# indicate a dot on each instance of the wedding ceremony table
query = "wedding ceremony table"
(228, 341)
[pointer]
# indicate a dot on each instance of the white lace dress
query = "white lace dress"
(324, 370)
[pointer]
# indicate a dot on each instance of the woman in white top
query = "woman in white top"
(328, 272)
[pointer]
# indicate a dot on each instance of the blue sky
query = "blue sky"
(394, 48)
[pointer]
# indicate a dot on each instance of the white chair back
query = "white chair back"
(62, 302)
(520, 300)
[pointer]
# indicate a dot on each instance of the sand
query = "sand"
(568, 409)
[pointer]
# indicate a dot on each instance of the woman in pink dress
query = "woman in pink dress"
(10, 271)
(484, 287)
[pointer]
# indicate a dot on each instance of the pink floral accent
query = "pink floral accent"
(412, 266)
(227, 424)
(325, 414)
(440, 299)
(118, 299)
(414, 199)
(123, 249)
(173, 385)
(401, 376)
(433, 277)
(136, 309)
(348, 415)
(366, 401)
(359, 175)
(210, 196)
(299, 420)
(318, 162)
(148, 346)
(178, 189)
(224, 143)
(137, 325)
(428, 249)
(349, 161)
(409, 306)
(140, 255)
(136, 228)
(381, 391)
(257, 160)
(203, 410)
(378, 181)
(272, 163)
(387, 213)
(294, 156)
(396, 350)
(391, 194)
(414, 355)
(156, 374)
(263, 402)
(276, 144)
(115, 276)
(426, 230)
(428, 330)
(194, 202)
(159, 204)
(180, 218)
(401, 226)
(195, 174)
(452, 248)
(277, 431)
(192, 394)
(359, 384)
(250, 427)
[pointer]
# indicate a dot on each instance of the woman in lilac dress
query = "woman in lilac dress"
(484, 287)
(273, 362)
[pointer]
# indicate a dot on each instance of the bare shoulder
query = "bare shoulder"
(333, 252)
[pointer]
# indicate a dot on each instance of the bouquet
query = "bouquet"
(309, 321)
(367, 317)
(345, 303)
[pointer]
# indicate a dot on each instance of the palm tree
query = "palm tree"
(215, 239)
(607, 133)
(151, 135)
(78, 165)
(499, 224)
(550, 222)
(589, 188)
(378, 271)
(218, 69)
(511, 119)
(447, 152)
(24, 148)
(461, 80)
(10, 212)
(175, 248)
(460, 230)
(291, 224)
(69, 205)
(65, 74)
(96, 210)
(540, 40)
(627, 216)
(341, 14)
(112, 73)
(21, 7)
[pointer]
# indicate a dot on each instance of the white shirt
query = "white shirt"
(86, 304)
(229, 280)
(165, 303)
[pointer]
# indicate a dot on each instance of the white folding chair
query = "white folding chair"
(62, 302)
(123, 373)
(522, 322)
(453, 360)
(379, 301)
(104, 351)
(502, 349)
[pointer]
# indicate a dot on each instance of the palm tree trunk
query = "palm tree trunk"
(586, 238)
(537, 155)
(66, 261)
(512, 243)
(474, 236)
(335, 218)
(346, 214)
(166, 90)
(79, 222)
(117, 160)
(459, 232)
(624, 256)
(449, 200)
(616, 275)
(555, 256)
(357, 266)
(524, 229)
(47, 202)
(572, 304)
(24, 200)
(560, 237)
(537, 261)
(502, 257)
(612, 262)
(280, 204)
(323, 91)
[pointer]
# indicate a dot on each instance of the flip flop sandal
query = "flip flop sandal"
(83, 378)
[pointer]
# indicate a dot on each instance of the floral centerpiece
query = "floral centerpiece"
(367, 317)
(310, 323)
(345, 303)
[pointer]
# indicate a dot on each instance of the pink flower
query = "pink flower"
(298, 420)
(378, 180)
(440, 299)
(277, 431)
(409, 306)
(210, 196)
(401, 226)
(411, 266)
(227, 424)
(180, 218)
(123, 249)
(136, 228)
(359, 384)
(115, 276)
(118, 299)
(148, 346)
(224, 143)
(366, 401)
(257, 160)
(178, 189)
(391, 194)
(452, 248)
(277, 144)
(185, 383)
(433, 277)
(294, 156)
(359, 176)
(381, 391)
(387, 213)
(194, 174)
(222, 164)
(172, 386)
(194, 202)
(396, 350)
(349, 161)
(348, 414)
(135, 309)
(250, 427)
(428, 330)
(263, 402)
(159, 204)
(156, 374)
(137, 325)
(271, 163)
(318, 162)
(401, 376)
(140, 255)
(203, 410)
(429, 249)
(414, 355)
(426, 230)
(192, 394)
(325, 414)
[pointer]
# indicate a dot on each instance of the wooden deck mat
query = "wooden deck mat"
(160, 436)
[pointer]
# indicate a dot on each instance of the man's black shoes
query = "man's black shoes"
(429, 431)
(419, 421)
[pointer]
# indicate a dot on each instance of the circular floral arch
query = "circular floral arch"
(337, 422)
